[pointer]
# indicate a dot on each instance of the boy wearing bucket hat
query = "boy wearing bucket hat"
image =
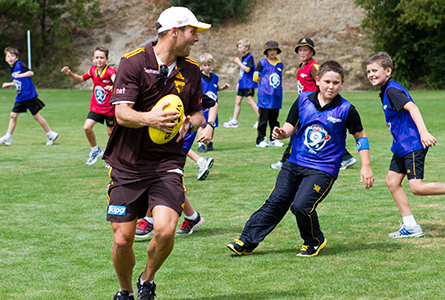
(268, 75)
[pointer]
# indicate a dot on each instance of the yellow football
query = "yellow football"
(160, 137)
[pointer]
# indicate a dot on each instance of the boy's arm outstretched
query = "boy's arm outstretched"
(426, 138)
(366, 174)
(68, 72)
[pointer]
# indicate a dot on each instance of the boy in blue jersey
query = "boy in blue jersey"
(321, 119)
(210, 89)
(410, 144)
(26, 97)
(246, 86)
(268, 75)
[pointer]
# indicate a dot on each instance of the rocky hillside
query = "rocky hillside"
(332, 24)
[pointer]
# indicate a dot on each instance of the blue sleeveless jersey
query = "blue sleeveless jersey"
(321, 138)
(406, 137)
(24, 86)
(270, 89)
(246, 79)
(211, 90)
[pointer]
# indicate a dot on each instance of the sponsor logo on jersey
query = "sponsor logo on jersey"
(100, 94)
(119, 91)
(315, 138)
(116, 210)
(212, 95)
(303, 75)
(18, 86)
(334, 120)
(274, 80)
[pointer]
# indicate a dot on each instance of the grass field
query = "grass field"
(55, 242)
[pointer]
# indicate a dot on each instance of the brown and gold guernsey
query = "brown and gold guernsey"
(131, 150)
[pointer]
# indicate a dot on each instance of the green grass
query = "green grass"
(55, 242)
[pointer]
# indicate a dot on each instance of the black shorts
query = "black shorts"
(130, 195)
(34, 105)
(101, 118)
(246, 92)
(411, 164)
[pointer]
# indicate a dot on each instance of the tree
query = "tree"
(412, 32)
(53, 24)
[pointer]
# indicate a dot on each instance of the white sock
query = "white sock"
(141, 281)
(409, 221)
(200, 160)
(235, 120)
(48, 134)
(193, 217)
(8, 136)
(95, 148)
(149, 219)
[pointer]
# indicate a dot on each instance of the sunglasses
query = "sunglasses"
(163, 76)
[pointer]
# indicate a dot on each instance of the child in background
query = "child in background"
(26, 97)
(411, 141)
(210, 89)
(268, 74)
(246, 86)
(100, 109)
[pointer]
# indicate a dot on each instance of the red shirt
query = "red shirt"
(132, 150)
(100, 99)
(305, 83)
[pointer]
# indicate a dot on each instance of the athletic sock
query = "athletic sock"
(8, 136)
(200, 160)
(409, 221)
(95, 148)
(149, 219)
(48, 134)
(192, 217)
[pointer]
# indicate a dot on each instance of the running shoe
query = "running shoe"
(6, 141)
(347, 163)
(275, 143)
(52, 138)
(308, 251)
(407, 232)
(145, 291)
(238, 247)
(144, 229)
(123, 295)
(188, 226)
(94, 156)
(277, 165)
(204, 167)
(231, 124)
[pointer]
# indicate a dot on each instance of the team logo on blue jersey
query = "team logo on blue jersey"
(212, 95)
(315, 138)
(241, 73)
(18, 86)
(100, 94)
(274, 80)
(116, 210)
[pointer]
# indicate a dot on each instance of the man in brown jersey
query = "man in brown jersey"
(145, 174)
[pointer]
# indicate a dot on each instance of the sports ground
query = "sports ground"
(55, 242)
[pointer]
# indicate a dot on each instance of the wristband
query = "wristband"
(362, 144)
(191, 127)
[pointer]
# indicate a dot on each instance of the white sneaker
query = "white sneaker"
(52, 138)
(231, 124)
(276, 143)
(94, 156)
(406, 231)
(277, 165)
(6, 141)
(255, 125)
(263, 144)
(204, 167)
(347, 163)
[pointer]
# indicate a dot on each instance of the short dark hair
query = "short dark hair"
(331, 65)
(12, 50)
(382, 58)
(101, 49)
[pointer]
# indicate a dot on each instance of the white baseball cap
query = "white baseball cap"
(177, 16)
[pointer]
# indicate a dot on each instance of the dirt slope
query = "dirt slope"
(332, 24)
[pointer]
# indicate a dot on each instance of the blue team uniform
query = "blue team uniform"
(270, 89)
(210, 88)
(24, 86)
(401, 124)
(246, 79)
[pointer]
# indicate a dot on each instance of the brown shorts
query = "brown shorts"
(130, 195)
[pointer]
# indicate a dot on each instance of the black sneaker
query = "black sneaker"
(145, 291)
(238, 247)
(188, 226)
(123, 295)
(210, 146)
(308, 251)
(144, 229)
(202, 148)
